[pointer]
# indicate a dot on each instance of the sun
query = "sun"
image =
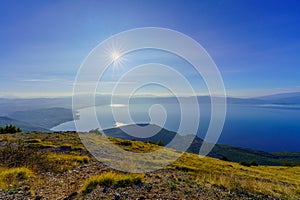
(115, 55)
(116, 58)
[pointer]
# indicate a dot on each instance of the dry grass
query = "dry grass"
(134, 146)
(18, 155)
(13, 176)
(63, 162)
(277, 181)
(68, 158)
(111, 178)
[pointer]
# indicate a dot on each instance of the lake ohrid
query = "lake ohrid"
(261, 127)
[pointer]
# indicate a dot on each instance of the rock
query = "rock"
(38, 197)
(117, 196)
(27, 192)
(10, 192)
(26, 188)
(71, 196)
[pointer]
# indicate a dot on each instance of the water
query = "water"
(268, 128)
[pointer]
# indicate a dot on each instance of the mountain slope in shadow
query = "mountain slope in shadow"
(26, 127)
(236, 154)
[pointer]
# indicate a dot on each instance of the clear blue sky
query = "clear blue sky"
(255, 44)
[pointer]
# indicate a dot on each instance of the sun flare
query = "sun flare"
(115, 56)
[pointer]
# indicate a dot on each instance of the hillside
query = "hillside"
(236, 154)
(39, 119)
(56, 166)
(46, 117)
(165, 135)
(26, 127)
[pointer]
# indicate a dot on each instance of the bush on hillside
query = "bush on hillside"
(9, 129)
(160, 143)
(224, 158)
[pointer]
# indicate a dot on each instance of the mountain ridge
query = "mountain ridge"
(236, 154)
(26, 127)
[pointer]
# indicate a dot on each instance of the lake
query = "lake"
(261, 127)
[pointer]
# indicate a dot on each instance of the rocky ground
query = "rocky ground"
(163, 184)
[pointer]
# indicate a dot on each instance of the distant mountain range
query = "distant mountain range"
(284, 98)
(26, 127)
(46, 113)
(8, 105)
(235, 154)
(38, 119)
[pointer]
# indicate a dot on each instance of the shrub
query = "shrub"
(248, 164)
(253, 163)
(160, 143)
(224, 158)
(126, 143)
(245, 163)
(109, 179)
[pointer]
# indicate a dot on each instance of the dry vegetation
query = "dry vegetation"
(277, 181)
(111, 178)
(11, 176)
(56, 166)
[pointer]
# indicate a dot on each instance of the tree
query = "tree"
(9, 129)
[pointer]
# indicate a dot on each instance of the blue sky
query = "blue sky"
(255, 44)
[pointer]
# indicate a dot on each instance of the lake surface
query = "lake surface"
(260, 127)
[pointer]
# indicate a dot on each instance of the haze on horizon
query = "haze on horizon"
(255, 44)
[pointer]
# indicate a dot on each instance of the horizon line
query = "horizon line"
(36, 96)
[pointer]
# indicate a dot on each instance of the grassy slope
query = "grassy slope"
(273, 180)
(235, 154)
(277, 181)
